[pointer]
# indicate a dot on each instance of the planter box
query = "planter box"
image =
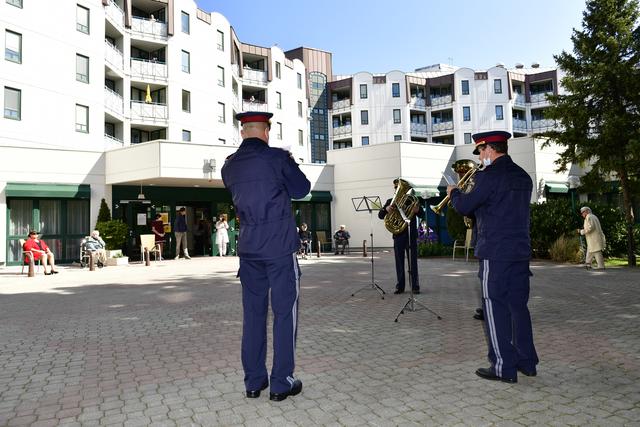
(114, 253)
(118, 261)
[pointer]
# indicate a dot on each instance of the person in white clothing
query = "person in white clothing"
(222, 236)
(596, 241)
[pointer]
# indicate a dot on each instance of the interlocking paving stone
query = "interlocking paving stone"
(160, 345)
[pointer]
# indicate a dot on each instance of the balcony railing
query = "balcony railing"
(442, 126)
(520, 124)
(440, 100)
(540, 97)
(148, 111)
(341, 131)
(113, 101)
(343, 103)
(418, 128)
(149, 28)
(542, 125)
(114, 12)
(250, 75)
(110, 141)
(144, 69)
(417, 102)
(254, 106)
(113, 55)
(519, 100)
(234, 101)
(234, 70)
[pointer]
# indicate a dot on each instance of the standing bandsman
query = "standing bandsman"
(262, 181)
(500, 203)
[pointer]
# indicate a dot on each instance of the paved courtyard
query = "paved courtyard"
(160, 345)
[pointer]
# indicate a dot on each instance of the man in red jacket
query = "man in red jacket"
(39, 249)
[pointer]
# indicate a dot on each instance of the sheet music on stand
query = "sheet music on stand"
(369, 204)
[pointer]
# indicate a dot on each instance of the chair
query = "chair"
(321, 238)
(148, 241)
(466, 245)
(29, 254)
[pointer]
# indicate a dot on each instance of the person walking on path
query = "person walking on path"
(596, 242)
(180, 231)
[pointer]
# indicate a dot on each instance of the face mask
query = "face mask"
(486, 162)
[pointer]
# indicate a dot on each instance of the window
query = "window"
(186, 135)
(82, 19)
(466, 114)
(465, 87)
(13, 47)
(220, 76)
(278, 71)
(467, 138)
(16, 3)
(82, 68)
(396, 116)
(221, 113)
(186, 61)
(363, 92)
(279, 100)
(186, 101)
(300, 137)
(365, 140)
(279, 130)
(397, 137)
(299, 109)
(12, 103)
(82, 118)
(185, 22)
(299, 81)
(499, 113)
(220, 40)
(395, 90)
(364, 117)
(497, 86)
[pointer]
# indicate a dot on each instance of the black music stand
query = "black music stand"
(411, 304)
(369, 204)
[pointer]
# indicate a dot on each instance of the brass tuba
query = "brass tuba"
(466, 169)
(402, 199)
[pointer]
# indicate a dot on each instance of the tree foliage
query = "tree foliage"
(599, 114)
(104, 214)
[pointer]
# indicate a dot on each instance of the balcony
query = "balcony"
(519, 100)
(149, 28)
(440, 100)
(419, 129)
(520, 125)
(112, 141)
(255, 106)
(234, 70)
(540, 97)
(113, 101)
(342, 131)
(255, 77)
(149, 112)
(115, 14)
(148, 70)
(542, 125)
(113, 56)
(417, 102)
(342, 104)
(442, 127)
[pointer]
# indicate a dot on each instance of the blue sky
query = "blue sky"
(383, 35)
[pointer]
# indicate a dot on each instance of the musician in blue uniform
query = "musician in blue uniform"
(262, 181)
(500, 203)
(402, 243)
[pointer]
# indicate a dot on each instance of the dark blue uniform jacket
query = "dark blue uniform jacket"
(262, 181)
(500, 203)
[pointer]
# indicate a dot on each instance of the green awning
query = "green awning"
(426, 192)
(316, 196)
(557, 187)
(54, 191)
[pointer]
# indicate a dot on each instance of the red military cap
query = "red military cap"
(487, 137)
(254, 116)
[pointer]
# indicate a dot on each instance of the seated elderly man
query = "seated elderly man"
(341, 238)
(96, 245)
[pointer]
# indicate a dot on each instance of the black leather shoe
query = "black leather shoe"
(489, 374)
(529, 373)
(253, 394)
(479, 310)
(296, 388)
(478, 316)
(416, 291)
(398, 291)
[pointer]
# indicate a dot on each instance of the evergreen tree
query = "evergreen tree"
(599, 115)
(104, 214)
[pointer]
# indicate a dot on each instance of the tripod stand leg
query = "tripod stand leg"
(403, 308)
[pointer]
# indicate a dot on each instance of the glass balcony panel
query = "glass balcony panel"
(145, 69)
(149, 28)
(113, 101)
(148, 111)
(113, 55)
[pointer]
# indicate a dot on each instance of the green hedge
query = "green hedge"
(426, 249)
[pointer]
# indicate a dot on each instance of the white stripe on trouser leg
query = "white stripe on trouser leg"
(491, 324)
(294, 309)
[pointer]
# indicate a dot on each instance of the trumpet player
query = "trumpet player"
(500, 203)
(402, 243)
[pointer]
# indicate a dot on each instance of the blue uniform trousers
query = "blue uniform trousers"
(505, 293)
(400, 247)
(281, 276)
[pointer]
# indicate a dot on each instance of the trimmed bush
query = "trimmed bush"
(114, 233)
(427, 249)
(566, 249)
